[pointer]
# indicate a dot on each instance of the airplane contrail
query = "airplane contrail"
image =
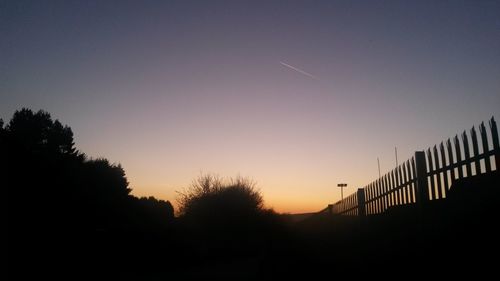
(299, 70)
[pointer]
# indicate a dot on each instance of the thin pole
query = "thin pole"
(378, 162)
(396, 152)
(341, 185)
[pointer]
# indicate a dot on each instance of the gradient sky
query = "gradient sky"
(171, 89)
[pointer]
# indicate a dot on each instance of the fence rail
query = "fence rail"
(428, 175)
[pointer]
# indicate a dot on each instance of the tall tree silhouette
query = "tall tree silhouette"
(59, 201)
(37, 132)
(59, 183)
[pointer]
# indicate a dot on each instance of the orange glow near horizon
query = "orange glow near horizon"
(287, 203)
(299, 192)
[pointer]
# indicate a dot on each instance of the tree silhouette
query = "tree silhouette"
(46, 170)
(153, 212)
(107, 180)
(37, 132)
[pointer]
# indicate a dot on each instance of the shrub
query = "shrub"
(210, 196)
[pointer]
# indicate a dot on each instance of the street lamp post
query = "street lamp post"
(342, 185)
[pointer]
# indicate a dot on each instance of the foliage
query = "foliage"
(37, 132)
(210, 195)
(61, 202)
(50, 183)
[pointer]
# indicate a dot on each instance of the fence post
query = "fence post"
(496, 143)
(484, 138)
(361, 202)
(422, 189)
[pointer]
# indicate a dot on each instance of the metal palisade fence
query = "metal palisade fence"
(428, 175)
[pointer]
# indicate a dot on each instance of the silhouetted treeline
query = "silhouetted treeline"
(47, 178)
(61, 202)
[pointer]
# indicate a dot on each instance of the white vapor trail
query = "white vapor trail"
(299, 70)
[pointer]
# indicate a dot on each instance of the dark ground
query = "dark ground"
(456, 235)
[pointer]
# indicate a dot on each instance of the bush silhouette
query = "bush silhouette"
(226, 218)
(152, 213)
(210, 196)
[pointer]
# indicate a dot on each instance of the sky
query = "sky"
(297, 95)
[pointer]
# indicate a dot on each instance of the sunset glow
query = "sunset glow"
(296, 95)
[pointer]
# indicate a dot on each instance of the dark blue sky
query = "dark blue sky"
(172, 88)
